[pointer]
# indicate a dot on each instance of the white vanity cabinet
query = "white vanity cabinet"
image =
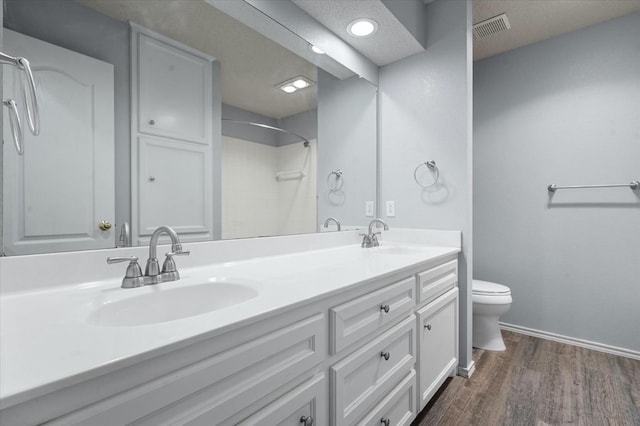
(172, 137)
(437, 328)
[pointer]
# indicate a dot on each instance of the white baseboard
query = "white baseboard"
(467, 371)
(614, 350)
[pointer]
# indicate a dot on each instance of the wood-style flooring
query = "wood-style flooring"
(539, 382)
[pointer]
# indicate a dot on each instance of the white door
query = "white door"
(62, 187)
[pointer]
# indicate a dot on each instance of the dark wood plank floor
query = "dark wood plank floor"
(539, 382)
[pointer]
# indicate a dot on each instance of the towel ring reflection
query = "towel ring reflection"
(338, 181)
(16, 125)
(431, 165)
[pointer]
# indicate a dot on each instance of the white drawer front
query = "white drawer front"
(305, 402)
(435, 281)
(362, 379)
(437, 343)
(398, 408)
(212, 390)
(364, 315)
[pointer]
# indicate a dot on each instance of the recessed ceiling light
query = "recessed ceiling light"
(317, 50)
(294, 84)
(362, 27)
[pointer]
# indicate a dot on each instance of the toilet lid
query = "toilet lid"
(487, 287)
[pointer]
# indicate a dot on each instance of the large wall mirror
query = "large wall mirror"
(187, 118)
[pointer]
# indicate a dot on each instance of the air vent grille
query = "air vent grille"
(491, 26)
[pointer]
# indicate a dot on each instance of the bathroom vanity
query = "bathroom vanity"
(307, 329)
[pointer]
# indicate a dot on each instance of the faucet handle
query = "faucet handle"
(178, 253)
(169, 264)
(133, 277)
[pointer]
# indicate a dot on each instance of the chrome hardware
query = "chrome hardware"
(385, 355)
(104, 225)
(385, 421)
(305, 142)
(31, 102)
(633, 185)
(428, 327)
(152, 179)
(431, 165)
(338, 178)
(152, 274)
(16, 125)
(306, 420)
(384, 308)
(371, 240)
(330, 219)
(133, 276)
(125, 235)
(152, 122)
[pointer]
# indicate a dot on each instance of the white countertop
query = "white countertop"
(47, 341)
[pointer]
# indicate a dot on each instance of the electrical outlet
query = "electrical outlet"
(368, 208)
(391, 209)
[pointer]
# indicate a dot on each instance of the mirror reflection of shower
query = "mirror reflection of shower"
(268, 183)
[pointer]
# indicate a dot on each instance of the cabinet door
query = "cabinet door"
(62, 187)
(174, 91)
(437, 343)
(174, 188)
(306, 403)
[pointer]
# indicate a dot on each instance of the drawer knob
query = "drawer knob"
(384, 308)
(306, 420)
(428, 327)
(152, 122)
(385, 355)
(385, 421)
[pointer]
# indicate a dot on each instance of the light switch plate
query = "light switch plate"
(368, 208)
(391, 209)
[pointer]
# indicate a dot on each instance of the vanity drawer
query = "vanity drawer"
(364, 315)
(216, 388)
(398, 408)
(307, 401)
(437, 280)
(365, 377)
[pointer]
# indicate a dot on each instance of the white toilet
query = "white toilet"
(490, 301)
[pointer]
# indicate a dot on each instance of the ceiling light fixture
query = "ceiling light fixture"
(362, 27)
(317, 50)
(294, 84)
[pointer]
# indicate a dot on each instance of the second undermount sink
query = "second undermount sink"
(161, 304)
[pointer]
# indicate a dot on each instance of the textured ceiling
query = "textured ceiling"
(390, 43)
(537, 20)
(251, 64)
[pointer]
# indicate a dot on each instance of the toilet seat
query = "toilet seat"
(486, 288)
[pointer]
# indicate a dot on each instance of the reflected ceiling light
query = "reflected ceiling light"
(294, 84)
(317, 50)
(362, 27)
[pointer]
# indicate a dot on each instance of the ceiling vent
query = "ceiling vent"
(491, 26)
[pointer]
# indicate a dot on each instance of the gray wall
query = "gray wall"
(563, 111)
(346, 141)
(75, 27)
(425, 114)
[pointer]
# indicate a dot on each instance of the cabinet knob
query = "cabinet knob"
(152, 122)
(428, 327)
(385, 421)
(385, 355)
(306, 420)
(104, 225)
(384, 308)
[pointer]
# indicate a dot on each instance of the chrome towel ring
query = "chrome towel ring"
(16, 126)
(431, 165)
(338, 181)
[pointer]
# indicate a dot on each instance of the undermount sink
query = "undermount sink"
(169, 304)
(397, 250)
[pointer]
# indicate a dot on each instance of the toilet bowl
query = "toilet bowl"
(490, 301)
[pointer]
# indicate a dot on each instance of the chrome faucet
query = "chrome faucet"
(332, 219)
(370, 239)
(152, 275)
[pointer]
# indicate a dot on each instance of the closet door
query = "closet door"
(174, 89)
(172, 134)
(60, 190)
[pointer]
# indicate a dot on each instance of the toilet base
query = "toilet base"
(487, 334)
